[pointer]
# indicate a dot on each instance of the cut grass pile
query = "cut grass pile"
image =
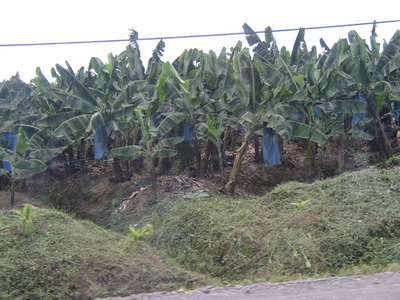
(319, 228)
(69, 259)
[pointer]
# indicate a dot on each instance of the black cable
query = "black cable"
(193, 35)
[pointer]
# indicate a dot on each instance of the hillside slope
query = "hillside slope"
(69, 259)
(298, 228)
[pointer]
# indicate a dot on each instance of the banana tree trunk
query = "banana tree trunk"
(221, 162)
(118, 172)
(197, 154)
(206, 159)
(340, 153)
(227, 138)
(214, 158)
(138, 163)
(70, 153)
(12, 191)
(82, 156)
(257, 156)
(382, 139)
(342, 144)
(310, 157)
(233, 176)
(280, 142)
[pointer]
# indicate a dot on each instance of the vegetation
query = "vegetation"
(64, 258)
(23, 160)
(25, 216)
(203, 113)
(137, 234)
(348, 221)
(186, 113)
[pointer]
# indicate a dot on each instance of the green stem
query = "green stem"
(12, 196)
(233, 176)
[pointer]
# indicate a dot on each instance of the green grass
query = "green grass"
(351, 222)
(69, 259)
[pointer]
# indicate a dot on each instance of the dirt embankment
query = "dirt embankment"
(20, 199)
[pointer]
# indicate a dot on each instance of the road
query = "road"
(383, 286)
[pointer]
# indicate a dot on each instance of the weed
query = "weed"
(300, 204)
(392, 161)
(25, 219)
(137, 234)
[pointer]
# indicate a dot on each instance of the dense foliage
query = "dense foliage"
(186, 113)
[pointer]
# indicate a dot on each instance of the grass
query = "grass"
(350, 222)
(64, 258)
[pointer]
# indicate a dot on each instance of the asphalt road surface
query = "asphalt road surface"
(384, 286)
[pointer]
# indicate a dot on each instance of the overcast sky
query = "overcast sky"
(62, 20)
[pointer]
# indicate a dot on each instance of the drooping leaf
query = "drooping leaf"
(27, 168)
(389, 52)
(171, 121)
(251, 37)
(297, 51)
(80, 88)
(46, 154)
(56, 119)
(131, 152)
(22, 142)
(361, 135)
(171, 141)
(308, 132)
(74, 128)
(166, 153)
(170, 78)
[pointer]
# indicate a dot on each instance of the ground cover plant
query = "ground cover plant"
(297, 228)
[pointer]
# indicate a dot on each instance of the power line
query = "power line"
(193, 35)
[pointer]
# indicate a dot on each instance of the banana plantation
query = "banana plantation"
(188, 115)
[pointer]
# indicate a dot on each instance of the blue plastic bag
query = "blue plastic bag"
(188, 132)
(317, 111)
(396, 111)
(8, 140)
(271, 150)
(358, 117)
(6, 166)
(100, 143)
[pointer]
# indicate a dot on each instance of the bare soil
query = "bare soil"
(384, 286)
(20, 200)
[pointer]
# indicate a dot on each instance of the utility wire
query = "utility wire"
(193, 35)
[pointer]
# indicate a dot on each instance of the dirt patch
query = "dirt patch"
(98, 198)
(20, 200)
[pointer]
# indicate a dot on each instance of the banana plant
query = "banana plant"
(182, 107)
(371, 69)
(244, 75)
(152, 147)
(220, 105)
(284, 89)
(215, 131)
(23, 161)
(329, 104)
(95, 101)
(15, 104)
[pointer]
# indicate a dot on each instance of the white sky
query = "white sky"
(64, 20)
